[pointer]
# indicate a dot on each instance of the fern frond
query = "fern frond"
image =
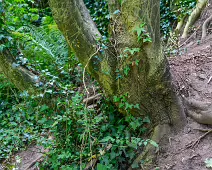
(45, 44)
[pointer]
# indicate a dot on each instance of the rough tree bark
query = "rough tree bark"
(148, 83)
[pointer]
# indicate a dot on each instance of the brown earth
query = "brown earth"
(192, 73)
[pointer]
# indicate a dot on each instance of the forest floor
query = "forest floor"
(192, 75)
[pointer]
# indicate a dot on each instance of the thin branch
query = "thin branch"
(77, 26)
(86, 66)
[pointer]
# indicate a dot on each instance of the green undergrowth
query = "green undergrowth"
(56, 117)
(17, 120)
(73, 134)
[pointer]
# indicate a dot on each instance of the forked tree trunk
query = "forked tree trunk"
(148, 83)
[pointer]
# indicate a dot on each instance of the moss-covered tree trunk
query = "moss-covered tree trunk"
(131, 63)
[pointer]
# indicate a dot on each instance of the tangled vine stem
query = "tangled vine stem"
(204, 27)
(86, 67)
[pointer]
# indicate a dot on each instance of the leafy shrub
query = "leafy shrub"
(82, 134)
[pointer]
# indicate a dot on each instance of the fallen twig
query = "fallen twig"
(88, 101)
(189, 37)
(196, 142)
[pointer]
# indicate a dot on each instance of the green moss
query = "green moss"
(105, 77)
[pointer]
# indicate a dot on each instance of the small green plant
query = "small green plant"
(143, 35)
(127, 60)
(132, 51)
(18, 126)
(123, 104)
(208, 163)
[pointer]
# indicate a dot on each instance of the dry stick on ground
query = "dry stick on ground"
(90, 100)
(204, 27)
(209, 80)
(196, 142)
(190, 37)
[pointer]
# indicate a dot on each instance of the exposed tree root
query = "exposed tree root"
(194, 16)
(34, 162)
(149, 154)
(195, 104)
(200, 111)
(204, 27)
(180, 25)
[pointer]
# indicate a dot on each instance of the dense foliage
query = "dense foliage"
(55, 117)
(100, 14)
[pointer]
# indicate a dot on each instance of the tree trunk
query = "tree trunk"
(22, 78)
(131, 63)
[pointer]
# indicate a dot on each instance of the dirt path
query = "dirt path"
(192, 73)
